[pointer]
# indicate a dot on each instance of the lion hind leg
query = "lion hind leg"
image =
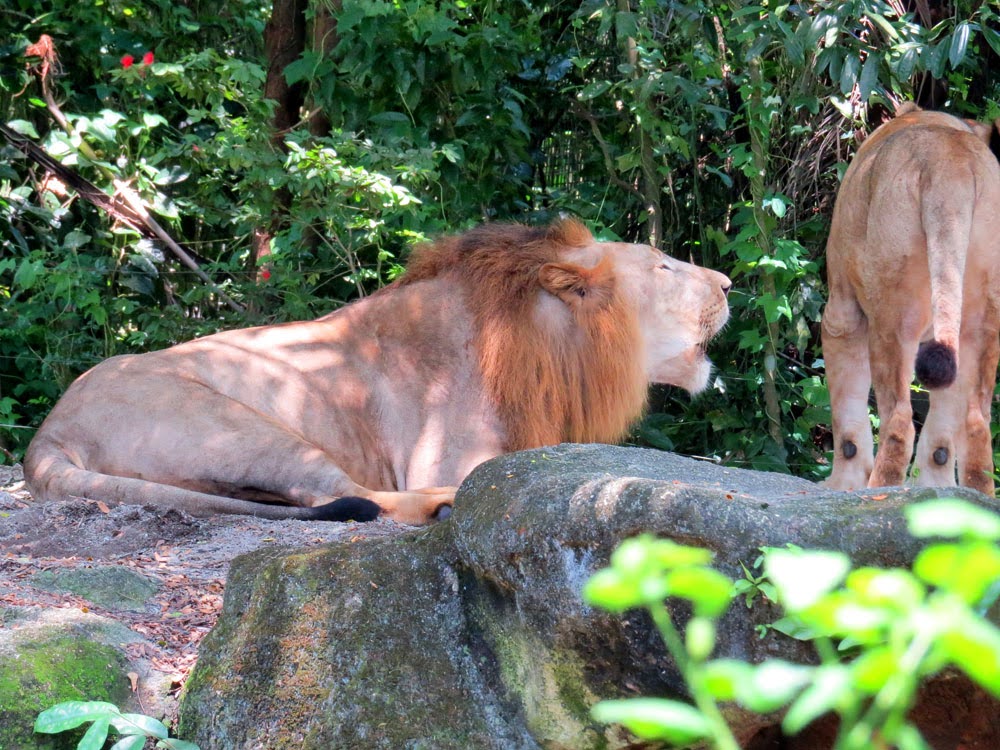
(892, 356)
(845, 349)
(957, 431)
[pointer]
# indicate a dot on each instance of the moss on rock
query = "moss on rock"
(113, 587)
(45, 668)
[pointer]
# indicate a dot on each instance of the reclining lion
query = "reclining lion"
(913, 264)
(501, 339)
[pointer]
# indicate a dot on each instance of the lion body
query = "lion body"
(500, 339)
(913, 265)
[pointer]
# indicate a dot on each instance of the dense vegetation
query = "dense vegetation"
(298, 149)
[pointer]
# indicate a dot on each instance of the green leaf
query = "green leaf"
(873, 668)
(140, 724)
(869, 77)
(96, 735)
(27, 272)
(830, 688)
(992, 38)
(75, 239)
(906, 64)
(849, 73)
(23, 127)
(909, 738)
(724, 677)
(897, 589)
(655, 719)
(952, 518)
(172, 744)
(883, 23)
(593, 90)
(968, 570)
(842, 613)
(72, 714)
(974, 646)
(773, 684)
(803, 577)
(130, 742)
(776, 204)
(152, 120)
(666, 553)
(612, 591)
(709, 590)
(700, 638)
(959, 43)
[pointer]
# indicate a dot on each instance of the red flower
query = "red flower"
(127, 61)
(265, 274)
(147, 59)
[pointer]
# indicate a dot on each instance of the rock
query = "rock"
(67, 655)
(473, 633)
(112, 587)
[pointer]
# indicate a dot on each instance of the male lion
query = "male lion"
(913, 263)
(501, 339)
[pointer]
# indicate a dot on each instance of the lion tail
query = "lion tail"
(55, 477)
(946, 215)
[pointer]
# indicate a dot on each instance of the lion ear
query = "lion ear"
(578, 287)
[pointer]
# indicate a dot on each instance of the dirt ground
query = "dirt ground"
(188, 558)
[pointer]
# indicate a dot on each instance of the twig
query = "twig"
(137, 216)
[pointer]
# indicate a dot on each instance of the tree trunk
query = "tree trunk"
(284, 43)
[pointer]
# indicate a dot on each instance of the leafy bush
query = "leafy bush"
(716, 130)
(878, 632)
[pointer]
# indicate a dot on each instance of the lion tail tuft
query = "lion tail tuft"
(348, 508)
(937, 365)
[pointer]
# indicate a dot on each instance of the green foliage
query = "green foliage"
(718, 129)
(878, 632)
(103, 718)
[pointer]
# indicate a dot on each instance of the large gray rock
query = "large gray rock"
(473, 633)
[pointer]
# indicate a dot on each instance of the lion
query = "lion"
(504, 338)
(913, 265)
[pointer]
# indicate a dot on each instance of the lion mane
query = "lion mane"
(586, 388)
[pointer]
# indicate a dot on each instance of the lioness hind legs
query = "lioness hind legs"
(891, 371)
(845, 349)
(957, 429)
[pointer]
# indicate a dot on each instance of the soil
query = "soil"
(188, 558)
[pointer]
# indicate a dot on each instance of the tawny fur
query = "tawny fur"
(503, 338)
(913, 265)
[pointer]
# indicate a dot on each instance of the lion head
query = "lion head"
(570, 331)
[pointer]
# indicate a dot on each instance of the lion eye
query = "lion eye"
(665, 267)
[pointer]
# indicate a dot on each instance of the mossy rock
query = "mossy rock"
(40, 669)
(112, 587)
(473, 633)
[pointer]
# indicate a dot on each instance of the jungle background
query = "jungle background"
(297, 149)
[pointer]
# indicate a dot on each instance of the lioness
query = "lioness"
(913, 263)
(504, 338)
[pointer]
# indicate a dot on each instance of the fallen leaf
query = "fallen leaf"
(103, 507)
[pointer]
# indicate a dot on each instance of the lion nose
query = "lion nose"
(726, 286)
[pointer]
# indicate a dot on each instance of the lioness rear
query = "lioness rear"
(913, 263)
